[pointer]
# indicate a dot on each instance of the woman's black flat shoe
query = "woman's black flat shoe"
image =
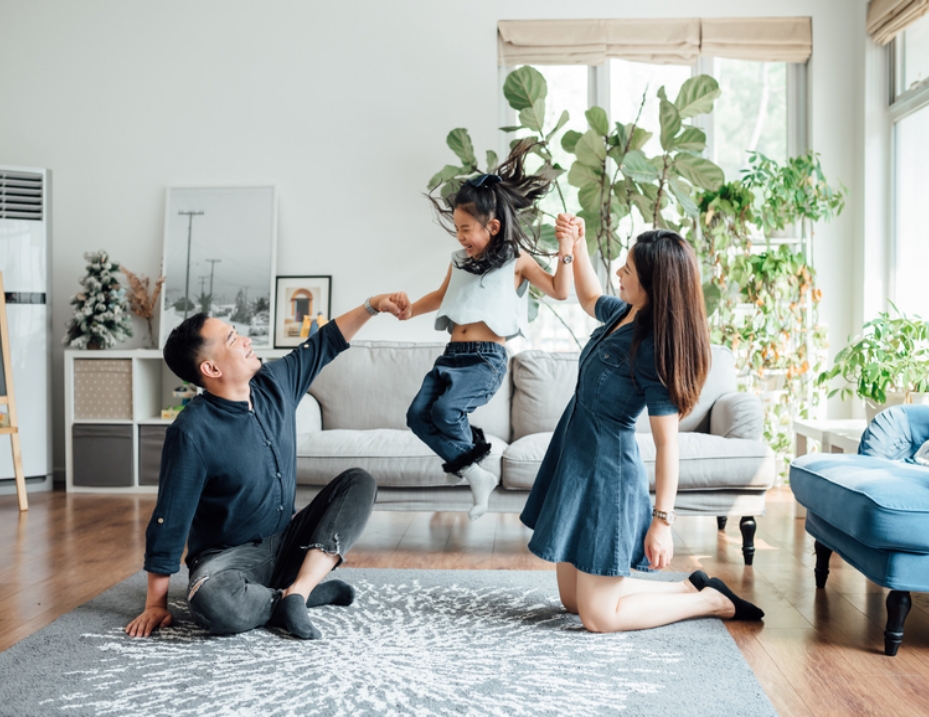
(744, 610)
(698, 579)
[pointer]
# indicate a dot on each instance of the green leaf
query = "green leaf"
(547, 238)
(599, 123)
(590, 196)
(590, 149)
(451, 187)
(645, 206)
(635, 165)
(711, 297)
(696, 96)
(550, 171)
(492, 161)
(512, 128)
(699, 171)
(692, 139)
(533, 308)
(639, 138)
(622, 136)
(459, 141)
(682, 195)
(446, 173)
(534, 117)
(559, 124)
(569, 140)
(524, 87)
(580, 175)
(670, 121)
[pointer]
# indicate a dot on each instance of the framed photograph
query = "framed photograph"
(302, 307)
(219, 255)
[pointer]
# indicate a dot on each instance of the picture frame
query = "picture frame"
(219, 257)
(303, 304)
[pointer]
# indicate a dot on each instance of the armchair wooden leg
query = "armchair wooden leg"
(721, 521)
(822, 563)
(748, 526)
(898, 607)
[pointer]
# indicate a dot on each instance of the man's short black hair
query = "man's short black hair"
(183, 348)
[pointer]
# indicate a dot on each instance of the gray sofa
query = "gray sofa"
(355, 415)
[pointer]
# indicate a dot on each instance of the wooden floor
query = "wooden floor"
(817, 652)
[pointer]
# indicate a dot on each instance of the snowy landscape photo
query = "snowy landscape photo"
(219, 258)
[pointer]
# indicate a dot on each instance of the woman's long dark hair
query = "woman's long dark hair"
(668, 272)
(510, 197)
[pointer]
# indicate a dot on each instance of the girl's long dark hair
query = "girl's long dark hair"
(512, 200)
(668, 272)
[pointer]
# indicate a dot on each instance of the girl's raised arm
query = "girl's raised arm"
(558, 286)
(430, 302)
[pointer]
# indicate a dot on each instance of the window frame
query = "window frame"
(900, 106)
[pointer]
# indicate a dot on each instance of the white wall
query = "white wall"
(343, 105)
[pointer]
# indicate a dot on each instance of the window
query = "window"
(909, 112)
(912, 187)
(911, 49)
(751, 114)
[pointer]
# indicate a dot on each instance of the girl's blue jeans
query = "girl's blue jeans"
(464, 378)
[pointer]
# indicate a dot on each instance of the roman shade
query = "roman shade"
(886, 18)
(669, 41)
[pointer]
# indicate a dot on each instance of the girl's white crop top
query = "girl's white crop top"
(491, 298)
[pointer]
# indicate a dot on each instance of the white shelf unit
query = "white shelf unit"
(150, 390)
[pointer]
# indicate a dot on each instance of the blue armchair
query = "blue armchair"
(873, 509)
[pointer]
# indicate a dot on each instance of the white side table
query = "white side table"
(836, 436)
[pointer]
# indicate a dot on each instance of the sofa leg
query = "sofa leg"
(721, 521)
(747, 525)
(822, 563)
(898, 607)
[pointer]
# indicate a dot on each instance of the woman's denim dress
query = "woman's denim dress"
(590, 504)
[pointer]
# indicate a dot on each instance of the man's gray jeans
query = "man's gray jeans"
(235, 589)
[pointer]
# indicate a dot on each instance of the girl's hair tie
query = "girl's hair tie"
(485, 180)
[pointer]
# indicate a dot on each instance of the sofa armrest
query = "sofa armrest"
(309, 416)
(737, 415)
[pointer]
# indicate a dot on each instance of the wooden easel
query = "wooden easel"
(7, 399)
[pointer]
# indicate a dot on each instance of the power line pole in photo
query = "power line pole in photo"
(213, 263)
(190, 225)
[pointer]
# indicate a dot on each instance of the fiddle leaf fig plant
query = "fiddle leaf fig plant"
(612, 173)
(892, 354)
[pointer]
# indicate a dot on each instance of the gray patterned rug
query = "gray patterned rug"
(416, 642)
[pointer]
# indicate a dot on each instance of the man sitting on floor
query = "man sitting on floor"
(228, 483)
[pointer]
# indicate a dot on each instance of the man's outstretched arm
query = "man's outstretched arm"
(351, 321)
(156, 612)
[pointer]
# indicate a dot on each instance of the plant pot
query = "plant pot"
(894, 398)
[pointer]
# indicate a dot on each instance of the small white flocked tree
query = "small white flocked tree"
(100, 316)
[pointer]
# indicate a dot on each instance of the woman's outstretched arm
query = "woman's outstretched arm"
(586, 284)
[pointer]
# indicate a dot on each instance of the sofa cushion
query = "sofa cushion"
(720, 380)
(706, 462)
(543, 384)
(883, 504)
(372, 385)
(395, 458)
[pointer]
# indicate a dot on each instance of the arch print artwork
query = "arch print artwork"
(302, 306)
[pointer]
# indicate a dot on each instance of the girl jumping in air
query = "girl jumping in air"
(480, 303)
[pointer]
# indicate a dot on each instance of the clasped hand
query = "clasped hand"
(398, 304)
(569, 229)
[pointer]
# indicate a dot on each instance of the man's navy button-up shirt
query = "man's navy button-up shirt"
(228, 474)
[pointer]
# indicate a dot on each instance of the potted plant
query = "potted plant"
(888, 365)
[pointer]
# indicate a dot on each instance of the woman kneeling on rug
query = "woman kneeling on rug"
(590, 505)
